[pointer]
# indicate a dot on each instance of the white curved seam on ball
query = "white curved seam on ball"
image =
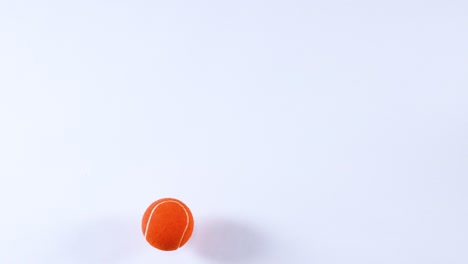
(186, 226)
(151, 215)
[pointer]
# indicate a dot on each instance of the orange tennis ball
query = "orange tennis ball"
(167, 224)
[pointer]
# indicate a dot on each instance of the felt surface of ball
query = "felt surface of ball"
(167, 224)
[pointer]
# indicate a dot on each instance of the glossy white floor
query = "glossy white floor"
(322, 132)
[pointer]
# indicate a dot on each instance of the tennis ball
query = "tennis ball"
(167, 224)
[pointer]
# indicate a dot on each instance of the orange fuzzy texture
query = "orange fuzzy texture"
(167, 224)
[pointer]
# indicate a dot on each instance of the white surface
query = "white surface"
(322, 132)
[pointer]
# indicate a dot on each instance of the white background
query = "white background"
(322, 132)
